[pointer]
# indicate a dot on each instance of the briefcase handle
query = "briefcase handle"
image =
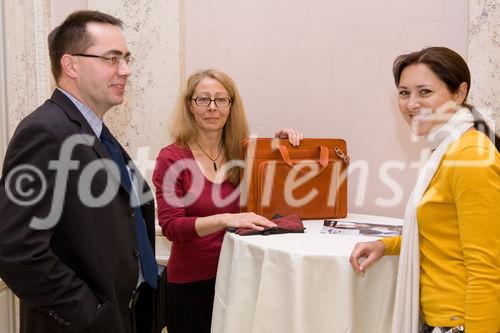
(323, 157)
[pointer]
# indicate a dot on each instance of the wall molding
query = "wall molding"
(26, 25)
(41, 13)
(4, 136)
(9, 301)
(24, 80)
(182, 44)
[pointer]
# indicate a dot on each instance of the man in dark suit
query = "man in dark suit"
(76, 218)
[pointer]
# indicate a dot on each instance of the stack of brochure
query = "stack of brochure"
(359, 228)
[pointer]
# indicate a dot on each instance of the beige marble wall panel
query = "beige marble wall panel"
(152, 32)
(27, 65)
(484, 56)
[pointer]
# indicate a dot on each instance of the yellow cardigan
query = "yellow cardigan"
(459, 236)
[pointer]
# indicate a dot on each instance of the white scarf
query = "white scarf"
(406, 316)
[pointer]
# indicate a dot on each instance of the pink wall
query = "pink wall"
(62, 8)
(324, 67)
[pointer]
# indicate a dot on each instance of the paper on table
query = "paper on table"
(358, 228)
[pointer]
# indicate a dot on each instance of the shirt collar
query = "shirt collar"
(89, 115)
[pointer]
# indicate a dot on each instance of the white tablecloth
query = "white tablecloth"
(302, 283)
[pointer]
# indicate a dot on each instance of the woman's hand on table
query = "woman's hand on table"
(370, 251)
(209, 224)
(293, 136)
(247, 220)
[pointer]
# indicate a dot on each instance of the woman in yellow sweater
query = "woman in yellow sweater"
(449, 267)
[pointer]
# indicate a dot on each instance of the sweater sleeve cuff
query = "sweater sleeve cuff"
(392, 245)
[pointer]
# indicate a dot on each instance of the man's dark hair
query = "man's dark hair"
(72, 36)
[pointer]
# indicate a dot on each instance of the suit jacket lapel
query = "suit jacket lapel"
(76, 116)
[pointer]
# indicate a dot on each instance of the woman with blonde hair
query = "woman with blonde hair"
(197, 193)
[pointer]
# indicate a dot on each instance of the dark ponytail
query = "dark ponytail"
(481, 125)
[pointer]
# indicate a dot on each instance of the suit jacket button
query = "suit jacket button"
(131, 212)
(67, 324)
(62, 321)
(137, 253)
(51, 313)
(56, 316)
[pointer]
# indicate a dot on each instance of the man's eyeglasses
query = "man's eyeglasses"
(113, 60)
(222, 102)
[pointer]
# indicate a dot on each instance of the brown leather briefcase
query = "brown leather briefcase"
(309, 180)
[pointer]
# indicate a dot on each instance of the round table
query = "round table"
(302, 283)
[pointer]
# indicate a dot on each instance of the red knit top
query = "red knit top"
(183, 193)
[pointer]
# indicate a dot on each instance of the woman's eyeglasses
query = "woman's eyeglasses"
(222, 102)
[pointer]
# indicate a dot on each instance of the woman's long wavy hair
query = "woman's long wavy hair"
(452, 69)
(184, 130)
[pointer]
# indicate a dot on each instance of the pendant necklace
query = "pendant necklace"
(211, 159)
